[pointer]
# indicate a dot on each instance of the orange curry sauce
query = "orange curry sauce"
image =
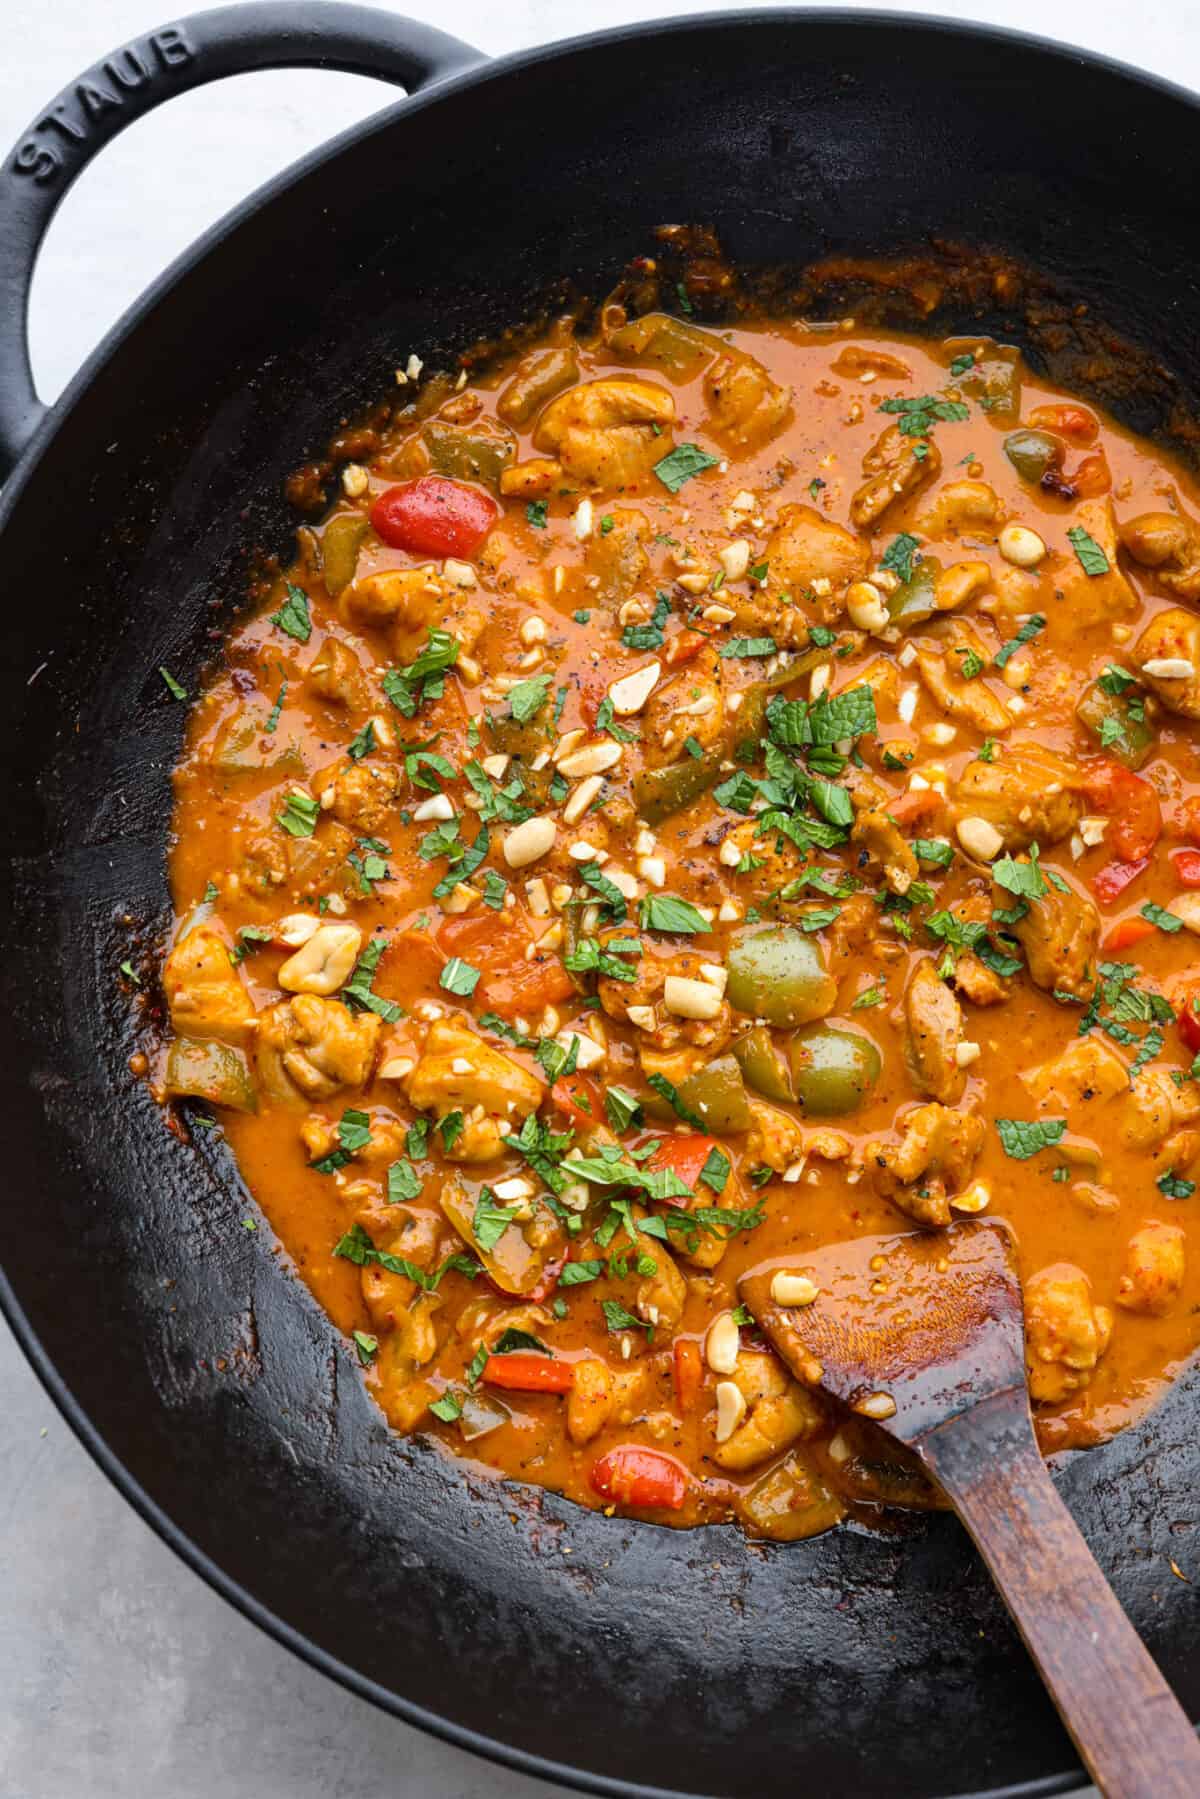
(890, 519)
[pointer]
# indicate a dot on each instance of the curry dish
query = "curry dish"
(701, 795)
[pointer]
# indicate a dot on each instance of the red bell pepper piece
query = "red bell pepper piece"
(645, 1478)
(434, 516)
(684, 1156)
(579, 1098)
(1073, 422)
(1187, 1014)
(1130, 802)
(1110, 882)
(1186, 864)
(1128, 932)
(687, 1371)
(526, 1372)
(1091, 478)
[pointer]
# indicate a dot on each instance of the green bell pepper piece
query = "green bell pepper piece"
(210, 1071)
(833, 1070)
(715, 1094)
(776, 974)
(763, 1068)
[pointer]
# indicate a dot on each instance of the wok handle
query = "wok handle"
(137, 77)
(1130, 1730)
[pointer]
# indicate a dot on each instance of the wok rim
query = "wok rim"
(433, 1723)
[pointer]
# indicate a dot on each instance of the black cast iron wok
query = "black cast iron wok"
(205, 1381)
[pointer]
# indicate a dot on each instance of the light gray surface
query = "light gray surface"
(120, 1673)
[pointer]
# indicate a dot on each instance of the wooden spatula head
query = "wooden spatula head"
(910, 1330)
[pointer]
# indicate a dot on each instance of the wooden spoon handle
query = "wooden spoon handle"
(1130, 1730)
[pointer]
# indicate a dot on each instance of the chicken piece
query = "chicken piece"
(774, 1137)
(930, 1165)
(1088, 1069)
(387, 1294)
(933, 1031)
(854, 929)
(1154, 1108)
(1030, 795)
(661, 1296)
(309, 1048)
(807, 554)
(616, 560)
(881, 837)
(1154, 1269)
(970, 507)
(972, 977)
(335, 675)
(361, 795)
(971, 701)
(690, 704)
(1172, 636)
(407, 603)
(274, 864)
(1060, 934)
(319, 1136)
(1096, 599)
(706, 1248)
(204, 990)
(1169, 543)
(746, 408)
(534, 479)
(779, 1412)
(1065, 1334)
(894, 471)
(602, 1395)
(639, 1002)
(458, 1072)
(603, 432)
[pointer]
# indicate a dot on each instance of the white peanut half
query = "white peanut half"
(324, 963)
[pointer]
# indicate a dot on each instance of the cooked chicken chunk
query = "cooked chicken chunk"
(933, 1032)
(971, 976)
(335, 675)
(941, 666)
(603, 432)
(689, 704)
(361, 795)
(308, 1048)
(1060, 934)
(1172, 637)
(1029, 794)
(1154, 1269)
(1065, 1334)
(1154, 1108)
(882, 839)
(962, 508)
(1096, 599)
(930, 1165)
(807, 554)
(779, 1412)
(661, 1296)
(746, 408)
(407, 603)
(640, 1003)
(1087, 1070)
(615, 559)
(204, 991)
(1169, 543)
(774, 1137)
(894, 470)
(603, 1395)
(458, 1072)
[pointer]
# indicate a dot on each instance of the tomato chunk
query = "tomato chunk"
(1127, 933)
(1130, 802)
(1110, 882)
(523, 1372)
(687, 1371)
(434, 516)
(1186, 864)
(1186, 1000)
(641, 1477)
(579, 1098)
(514, 980)
(684, 1156)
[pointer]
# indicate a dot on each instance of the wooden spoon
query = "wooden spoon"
(923, 1333)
